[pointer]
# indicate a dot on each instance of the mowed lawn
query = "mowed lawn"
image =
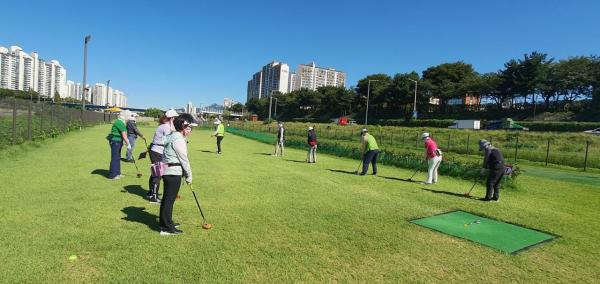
(275, 220)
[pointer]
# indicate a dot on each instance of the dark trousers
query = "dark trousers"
(219, 139)
(370, 157)
(493, 183)
(115, 159)
(172, 185)
(154, 182)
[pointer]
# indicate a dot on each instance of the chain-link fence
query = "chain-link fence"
(27, 120)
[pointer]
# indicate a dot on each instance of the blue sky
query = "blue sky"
(166, 53)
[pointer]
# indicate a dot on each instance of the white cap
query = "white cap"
(171, 113)
(217, 121)
(133, 114)
(310, 128)
(424, 135)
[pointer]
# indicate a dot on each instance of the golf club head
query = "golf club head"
(139, 175)
(142, 155)
(206, 226)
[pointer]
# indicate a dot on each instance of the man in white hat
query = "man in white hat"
(312, 142)
(433, 155)
(219, 133)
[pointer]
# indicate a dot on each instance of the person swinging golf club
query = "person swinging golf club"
(156, 152)
(178, 165)
(370, 151)
(433, 155)
(493, 161)
(279, 149)
(219, 133)
(312, 143)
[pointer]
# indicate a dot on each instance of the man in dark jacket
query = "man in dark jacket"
(132, 133)
(279, 147)
(493, 161)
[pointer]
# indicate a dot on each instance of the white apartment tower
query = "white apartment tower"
(273, 77)
(309, 76)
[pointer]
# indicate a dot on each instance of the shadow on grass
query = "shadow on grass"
(296, 161)
(343, 171)
(264, 154)
(139, 215)
(100, 172)
(448, 193)
(207, 151)
(135, 189)
(399, 179)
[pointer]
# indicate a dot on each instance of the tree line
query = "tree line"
(534, 81)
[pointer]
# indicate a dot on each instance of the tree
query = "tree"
(335, 101)
(595, 84)
(238, 107)
(447, 81)
(376, 90)
(154, 112)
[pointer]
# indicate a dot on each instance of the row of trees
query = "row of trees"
(532, 81)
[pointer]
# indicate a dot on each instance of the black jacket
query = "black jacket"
(132, 129)
(493, 159)
(312, 136)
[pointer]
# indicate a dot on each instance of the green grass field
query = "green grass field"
(275, 220)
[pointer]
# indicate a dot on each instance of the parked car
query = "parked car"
(593, 131)
(466, 124)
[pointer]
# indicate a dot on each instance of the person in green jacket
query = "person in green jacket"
(370, 151)
(116, 138)
(219, 133)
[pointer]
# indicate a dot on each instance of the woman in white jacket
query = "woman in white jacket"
(175, 156)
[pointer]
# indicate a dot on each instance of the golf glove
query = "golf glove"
(188, 180)
(128, 146)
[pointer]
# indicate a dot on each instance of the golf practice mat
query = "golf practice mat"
(499, 235)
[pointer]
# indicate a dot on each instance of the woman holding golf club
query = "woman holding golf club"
(433, 155)
(175, 156)
(370, 151)
(132, 134)
(312, 143)
(156, 151)
(118, 135)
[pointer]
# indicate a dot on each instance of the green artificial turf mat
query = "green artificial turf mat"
(496, 234)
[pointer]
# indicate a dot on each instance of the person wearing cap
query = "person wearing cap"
(156, 151)
(493, 161)
(116, 138)
(279, 149)
(132, 134)
(433, 155)
(312, 143)
(175, 156)
(370, 151)
(219, 133)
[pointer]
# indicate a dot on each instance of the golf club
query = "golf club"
(360, 163)
(143, 154)
(139, 175)
(205, 225)
(469, 193)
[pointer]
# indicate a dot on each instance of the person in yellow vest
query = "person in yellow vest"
(219, 133)
(370, 151)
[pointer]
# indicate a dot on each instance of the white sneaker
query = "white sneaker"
(167, 233)
(116, 178)
(424, 182)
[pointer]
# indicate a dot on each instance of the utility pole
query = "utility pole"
(85, 44)
(415, 102)
(107, 85)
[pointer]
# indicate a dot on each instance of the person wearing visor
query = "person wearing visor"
(433, 155)
(156, 151)
(175, 156)
(493, 161)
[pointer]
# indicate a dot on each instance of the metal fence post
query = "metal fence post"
(468, 138)
(547, 151)
(14, 122)
(29, 121)
(517, 149)
(587, 147)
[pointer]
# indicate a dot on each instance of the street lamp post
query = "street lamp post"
(270, 103)
(275, 114)
(415, 102)
(107, 86)
(85, 44)
(368, 96)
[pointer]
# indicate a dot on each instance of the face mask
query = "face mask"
(187, 131)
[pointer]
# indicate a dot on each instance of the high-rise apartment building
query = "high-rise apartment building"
(273, 77)
(309, 76)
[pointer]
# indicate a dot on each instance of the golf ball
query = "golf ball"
(73, 257)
